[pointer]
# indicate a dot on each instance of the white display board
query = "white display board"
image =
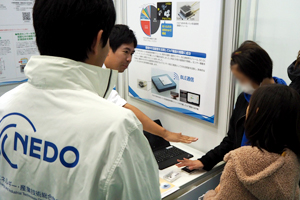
(17, 39)
(176, 62)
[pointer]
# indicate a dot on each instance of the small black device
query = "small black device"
(186, 10)
(141, 84)
(187, 169)
(165, 154)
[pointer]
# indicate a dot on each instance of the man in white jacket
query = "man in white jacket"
(59, 138)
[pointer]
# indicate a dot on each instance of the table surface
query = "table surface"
(186, 177)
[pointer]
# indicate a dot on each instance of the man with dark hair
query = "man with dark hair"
(122, 44)
(60, 138)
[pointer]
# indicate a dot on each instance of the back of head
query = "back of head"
(273, 120)
(121, 34)
(68, 28)
(253, 61)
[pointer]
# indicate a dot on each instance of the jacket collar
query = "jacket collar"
(277, 81)
(48, 72)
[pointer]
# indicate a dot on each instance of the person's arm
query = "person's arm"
(136, 172)
(151, 127)
(214, 156)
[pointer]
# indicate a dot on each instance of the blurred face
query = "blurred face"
(120, 59)
(246, 84)
(242, 79)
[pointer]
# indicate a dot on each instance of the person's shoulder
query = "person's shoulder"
(241, 98)
(242, 152)
(119, 116)
(250, 155)
(128, 119)
(241, 102)
(295, 84)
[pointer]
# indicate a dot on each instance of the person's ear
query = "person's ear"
(97, 43)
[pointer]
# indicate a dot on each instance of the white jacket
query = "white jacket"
(59, 139)
(114, 96)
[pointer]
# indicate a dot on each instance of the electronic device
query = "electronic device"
(186, 10)
(190, 97)
(193, 98)
(174, 95)
(142, 84)
(165, 154)
(163, 82)
(186, 169)
(172, 176)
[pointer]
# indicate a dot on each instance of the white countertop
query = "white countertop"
(185, 176)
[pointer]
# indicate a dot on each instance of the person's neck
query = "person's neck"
(106, 64)
(267, 81)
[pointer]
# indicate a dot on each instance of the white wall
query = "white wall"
(276, 29)
(209, 135)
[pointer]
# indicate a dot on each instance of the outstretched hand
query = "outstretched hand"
(178, 137)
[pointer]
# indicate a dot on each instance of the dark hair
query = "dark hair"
(121, 34)
(68, 28)
(297, 64)
(273, 121)
(253, 61)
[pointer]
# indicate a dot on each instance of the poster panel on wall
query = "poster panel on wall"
(17, 39)
(176, 61)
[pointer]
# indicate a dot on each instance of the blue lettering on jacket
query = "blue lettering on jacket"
(34, 147)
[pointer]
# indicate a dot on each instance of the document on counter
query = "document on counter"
(166, 188)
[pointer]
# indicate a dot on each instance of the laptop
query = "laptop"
(165, 154)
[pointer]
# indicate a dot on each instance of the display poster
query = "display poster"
(17, 39)
(176, 63)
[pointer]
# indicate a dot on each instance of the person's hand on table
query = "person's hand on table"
(191, 164)
(178, 137)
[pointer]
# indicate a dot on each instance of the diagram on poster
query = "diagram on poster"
(17, 39)
(176, 62)
(149, 22)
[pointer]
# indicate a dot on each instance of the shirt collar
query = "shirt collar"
(49, 72)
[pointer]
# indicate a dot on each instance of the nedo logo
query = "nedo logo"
(33, 145)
